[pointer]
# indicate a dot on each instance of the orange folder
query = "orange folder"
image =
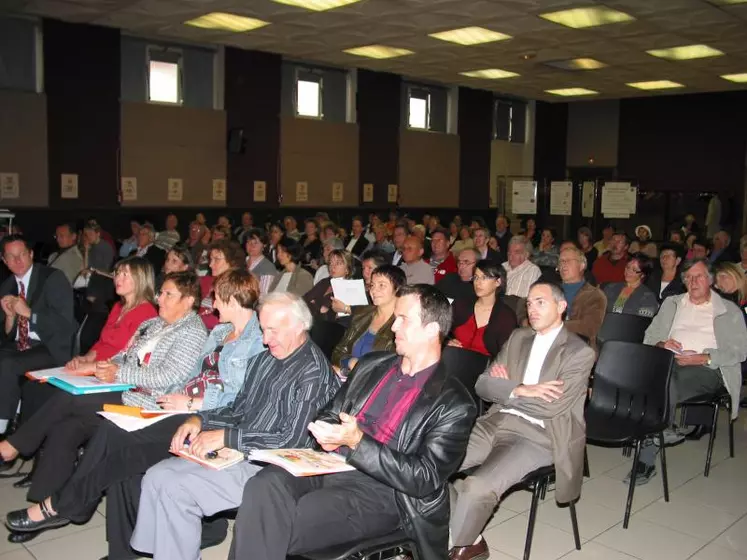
(135, 411)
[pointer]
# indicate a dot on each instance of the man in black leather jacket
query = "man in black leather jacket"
(402, 421)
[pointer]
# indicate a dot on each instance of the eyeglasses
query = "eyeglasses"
(633, 270)
(566, 261)
(695, 277)
(466, 263)
(168, 294)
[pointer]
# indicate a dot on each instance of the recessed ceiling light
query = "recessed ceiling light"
(570, 92)
(317, 5)
(490, 74)
(738, 78)
(378, 51)
(686, 52)
(470, 36)
(228, 22)
(578, 18)
(656, 84)
(577, 64)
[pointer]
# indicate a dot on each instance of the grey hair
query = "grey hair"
(557, 292)
(692, 262)
(150, 228)
(521, 240)
(474, 251)
(294, 304)
(580, 255)
(335, 243)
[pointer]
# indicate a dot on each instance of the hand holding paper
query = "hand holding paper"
(350, 292)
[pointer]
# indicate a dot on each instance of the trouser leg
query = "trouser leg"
(13, 367)
(122, 502)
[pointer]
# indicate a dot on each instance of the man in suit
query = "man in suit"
(502, 234)
(403, 421)
(538, 386)
(398, 238)
(36, 309)
(147, 249)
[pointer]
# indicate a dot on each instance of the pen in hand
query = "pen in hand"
(208, 455)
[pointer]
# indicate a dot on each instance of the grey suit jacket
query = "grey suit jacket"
(570, 359)
(301, 281)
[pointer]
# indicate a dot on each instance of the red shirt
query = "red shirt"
(119, 328)
(208, 315)
(606, 270)
(449, 265)
(472, 337)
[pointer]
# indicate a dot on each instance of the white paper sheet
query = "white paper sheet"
(131, 423)
(349, 292)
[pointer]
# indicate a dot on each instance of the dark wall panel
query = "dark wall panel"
(684, 142)
(475, 136)
(81, 79)
(550, 140)
(378, 105)
(252, 103)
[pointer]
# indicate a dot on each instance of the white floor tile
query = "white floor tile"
(593, 519)
(509, 537)
(21, 554)
(710, 552)
(593, 551)
(735, 537)
(612, 493)
(501, 514)
(84, 545)
(648, 541)
(691, 518)
(95, 521)
(727, 494)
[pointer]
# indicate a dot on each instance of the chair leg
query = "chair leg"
(532, 518)
(631, 487)
(574, 524)
(712, 439)
(587, 472)
(731, 428)
(664, 474)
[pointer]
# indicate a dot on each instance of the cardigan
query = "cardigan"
(301, 281)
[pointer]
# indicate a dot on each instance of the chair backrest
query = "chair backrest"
(89, 331)
(466, 366)
(626, 328)
(326, 335)
(631, 383)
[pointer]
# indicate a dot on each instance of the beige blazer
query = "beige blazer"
(301, 281)
(570, 359)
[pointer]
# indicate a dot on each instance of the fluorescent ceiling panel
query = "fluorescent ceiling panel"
(656, 84)
(227, 22)
(686, 52)
(579, 18)
(738, 78)
(317, 5)
(571, 92)
(470, 36)
(490, 74)
(577, 64)
(378, 51)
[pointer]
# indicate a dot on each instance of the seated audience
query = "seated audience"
(381, 239)
(731, 284)
(502, 234)
(453, 234)
(312, 246)
(416, 269)
(585, 304)
(219, 232)
(708, 334)
(293, 278)
(546, 253)
(481, 236)
(521, 273)
(721, 250)
(68, 259)
(115, 459)
(319, 297)
(97, 253)
(401, 232)
(537, 419)
(130, 244)
(483, 323)
(665, 280)
(610, 267)
(643, 243)
(330, 244)
(419, 231)
(36, 308)
(370, 329)
(178, 259)
(676, 236)
(531, 233)
(689, 240)
(586, 244)
(700, 248)
(166, 239)
(256, 262)
(633, 296)
(247, 224)
(458, 285)
(291, 228)
(277, 232)
(357, 242)
(689, 225)
(194, 242)
(464, 241)
(442, 261)
(223, 255)
(743, 255)
(603, 245)
(370, 261)
(157, 362)
(147, 249)
(402, 421)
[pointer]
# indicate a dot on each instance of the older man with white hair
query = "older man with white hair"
(284, 389)
(521, 273)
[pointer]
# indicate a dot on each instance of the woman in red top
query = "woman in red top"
(483, 323)
(223, 255)
(133, 283)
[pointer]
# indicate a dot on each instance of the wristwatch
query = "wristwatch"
(708, 361)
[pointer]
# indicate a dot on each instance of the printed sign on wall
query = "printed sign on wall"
(219, 189)
(260, 191)
(175, 190)
(561, 198)
(129, 188)
(392, 193)
(68, 185)
(9, 185)
(368, 192)
(337, 192)
(524, 197)
(302, 191)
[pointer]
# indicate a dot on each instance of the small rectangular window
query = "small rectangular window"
(309, 98)
(419, 109)
(163, 85)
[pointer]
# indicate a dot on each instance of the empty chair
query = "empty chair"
(626, 328)
(467, 366)
(630, 402)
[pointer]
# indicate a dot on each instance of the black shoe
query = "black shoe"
(18, 521)
(20, 538)
(698, 432)
(25, 482)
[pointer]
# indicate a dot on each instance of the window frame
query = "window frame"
(305, 74)
(152, 53)
(513, 105)
(424, 94)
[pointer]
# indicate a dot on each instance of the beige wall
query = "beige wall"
(318, 153)
(23, 146)
(593, 132)
(428, 169)
(160, 142)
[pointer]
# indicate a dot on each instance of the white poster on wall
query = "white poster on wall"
(219, 190)
(260, 191)
(175, 190)
(69, 185)
(368, 192)
(10, 186)
(561, 198)
(616, 200)
(302, 191)
(129, 188)
(392, 193)
(338, 192)
(524, 197)
(587, 199)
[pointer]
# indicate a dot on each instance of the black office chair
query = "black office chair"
(326, 335)
(466, 366)
(717, 400)
(619, 326)
(630, 402)
(378, 548)
(89, 331)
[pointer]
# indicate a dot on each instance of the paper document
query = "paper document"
(131, 423)
(302, 462)
(223, 458)
(137, 411)
(682, 352)
(349, 292)
(44, 374)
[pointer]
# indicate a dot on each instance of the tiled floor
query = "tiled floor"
(706, 518)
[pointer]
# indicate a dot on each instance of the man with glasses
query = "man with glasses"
(587, 304)
(36, 309)
(458, 285)
(68, 258)
(610, 267)
(442, 261)
(709, 337)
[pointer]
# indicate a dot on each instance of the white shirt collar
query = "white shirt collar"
(25, 279)
(549, 336)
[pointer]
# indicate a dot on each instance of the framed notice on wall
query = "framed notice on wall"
(338, 192)
(524, 197)
(618, 200)
(129, 188)
(368, 192)
(302, 191)
(175, 190)
(68, 185)
(561, 198)
(260, 191)
(219, 189)
(392, 193)
(10, 186)
(587, 199)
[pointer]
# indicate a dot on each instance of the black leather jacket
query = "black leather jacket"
(429, 449)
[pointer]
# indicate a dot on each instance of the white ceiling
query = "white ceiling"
(322, 36)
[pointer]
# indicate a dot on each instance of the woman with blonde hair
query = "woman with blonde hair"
(319, 298)
(731, 283)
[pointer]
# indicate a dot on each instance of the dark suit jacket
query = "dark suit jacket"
(675, 287)
(431, 445)
(360, 246)
(495, 256)
(503, 242)
(501, 324)
(50, 298)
